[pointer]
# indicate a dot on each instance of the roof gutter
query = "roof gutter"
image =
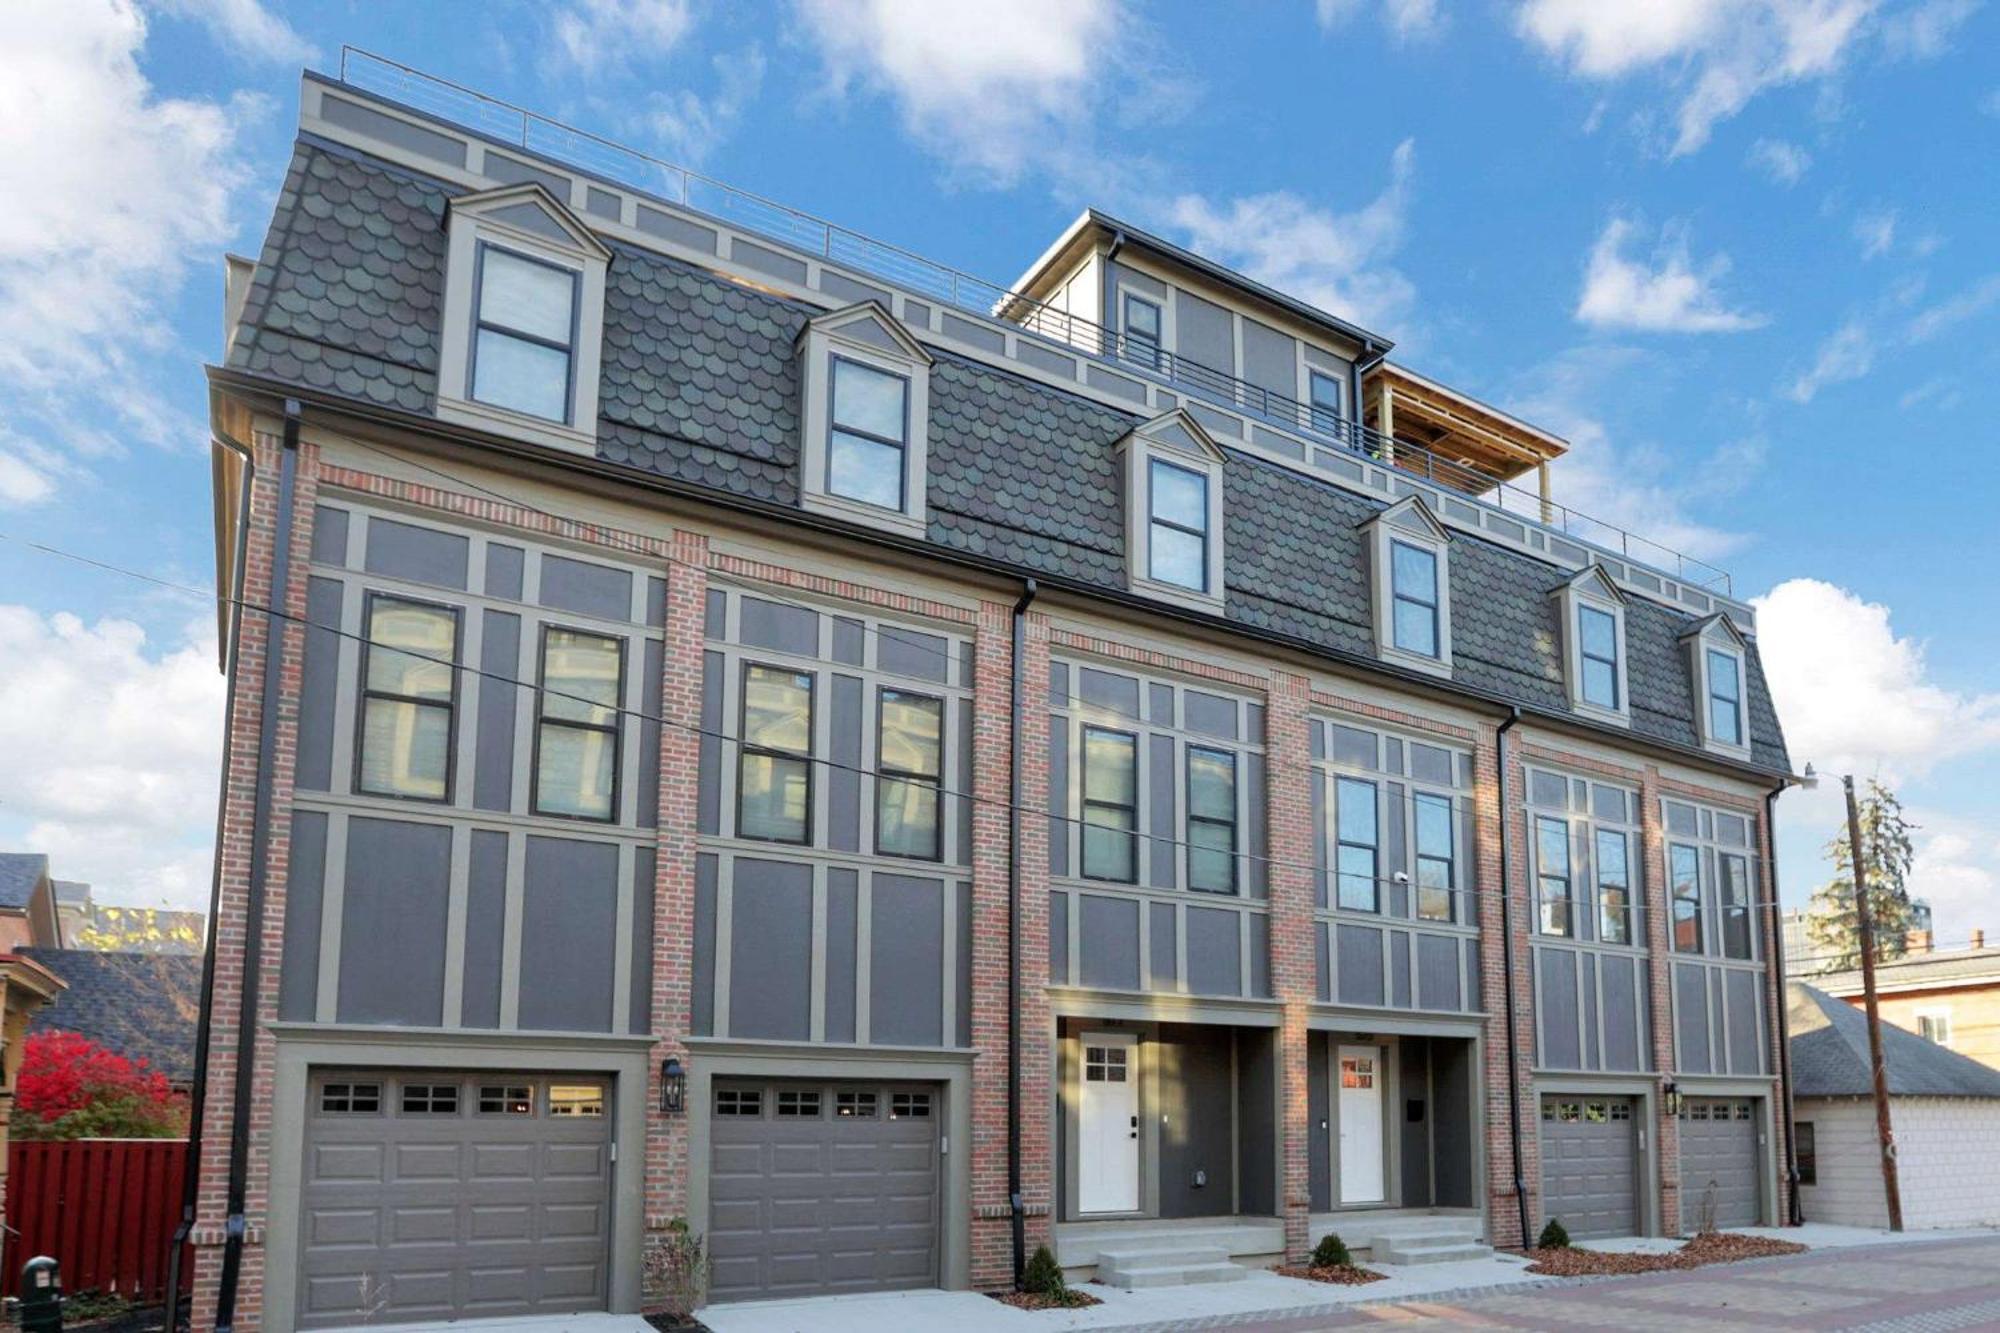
(1794, 1210)
(1507, 971)
(1017, 1206)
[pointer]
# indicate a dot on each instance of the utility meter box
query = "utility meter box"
(41, 1296)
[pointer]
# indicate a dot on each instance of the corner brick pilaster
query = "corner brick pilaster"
(1503, 933)
(1287, 744)
(1659, 973)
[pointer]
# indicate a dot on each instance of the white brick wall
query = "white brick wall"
(1947, 1156)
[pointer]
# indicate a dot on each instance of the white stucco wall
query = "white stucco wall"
(1947, 1156)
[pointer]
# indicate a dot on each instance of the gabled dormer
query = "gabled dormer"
(1591, 610)
(1409, 564)
(1173, 511)
(865, 384)
(1718, 657)
(523, 318)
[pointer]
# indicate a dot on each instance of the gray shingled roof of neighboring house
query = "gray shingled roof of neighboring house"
(1830, 1055)
(1952, 967)
(19, 873)
(141, 1005)
(70, 890)
(700, 385)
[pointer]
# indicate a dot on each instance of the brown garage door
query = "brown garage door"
(433, 1195)
(1590, 1176)
(1720, 1163)
(817, 1188)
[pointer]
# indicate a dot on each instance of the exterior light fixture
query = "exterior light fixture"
(1672, 1096)
(673, 1086)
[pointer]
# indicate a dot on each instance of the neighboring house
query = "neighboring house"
(1944, 1110)
(1951, 996)
(25, 986)
(636, 806)
(73, 904)
(1804, 958)
(118, 928)
(28, 912)
(142, 1006)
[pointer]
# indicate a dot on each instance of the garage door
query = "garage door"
(1590, 1160)
(822, 1187)
(442, 1195)
(1720, 1163)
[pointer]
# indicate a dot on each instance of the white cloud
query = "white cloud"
(1337, 261)
(1876, 231)
(117, 743)
(1669, 294)
(245, 27)
(1955, 310)
(1716, 55)
(592, 36)
(1847, 354)
(21, 482)
(689, 125)
(1957, 871)
(1940, 392)
(1782, 161)
(1924, 31)
(1407, 20)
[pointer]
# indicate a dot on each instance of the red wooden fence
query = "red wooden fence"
(106, 1209)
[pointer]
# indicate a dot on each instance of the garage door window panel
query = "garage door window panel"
(429, 1099)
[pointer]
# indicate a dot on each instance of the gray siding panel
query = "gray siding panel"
(1255, 878)
(1587, 965)
(777, 626)
(1202, 333)
(1438, 975)
(1457, 1093)
(963, 805)
(1059, 825)
(702, 1003)
(505, 570)
(639, 1012)
(1359, 967)
(329, 536)
(305, 888)
(1214, 952)
(399, 133)
(1162, 863)
(770, 949)
(585, 588)
(393, 923)
(1159, 704)
(708, 787)
(1323, 960)
(850, 641)
(1059, 939)
(421, 555)
(569, 935)
(907, 652)
(493, 754)
(1691, 1017)
(1209, 714)
(1395, 847)
(1319, 1124)
(906, 962)
(1256, 1119)
(1399, 968)
(1621, 1031)
(1745, 1051)
(653, 658)
(963, 963)
(1555, 1000)
(1164, 960)
(485, 929)
(843, 779)
(1110, 943)
(1110, 690)
(1194, 1093)
(1260, 955)
(318, 684)
(842, 899)
(1412, 1121)
(1270, 359)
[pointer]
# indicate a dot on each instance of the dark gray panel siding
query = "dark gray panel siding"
(639, 1012)
(1359, 966)
(842, 905)
(708, 795)
(843, 784)
(569, 935)
(964, 963)
(1202, 333)
(1621, 1020)
(1256, 1119)
(305, 887)
(702, 1003)
(1058, 797)
(1164, 960)
(1109, 690)
(485, 929)
(654, 660)
(1194, 1093)
(1162, 863)
(392, 923)
(908, 652)
(493, 754)
(1745, 1051)
(505, 571)
(1411, 1120)
(329, 536)
(1260, 954)
(1319, 1123)
(777, 626)
(318, 684)
(1110, 943)
(906, 962)
(1270, 359)
(1691, 1017)
(1456, 1094)
(1555, 998)
(1399, 968)
(770, 949)
(421, 555)
(1438, 975)
(1214, 952)
(1587, 979)
(1059, 939)
(587, 589)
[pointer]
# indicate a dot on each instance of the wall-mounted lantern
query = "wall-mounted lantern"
(1671, 1096)
(673, 1086)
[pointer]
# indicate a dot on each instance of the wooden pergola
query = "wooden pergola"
(1462, 442)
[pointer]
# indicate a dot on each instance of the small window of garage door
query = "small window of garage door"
(1721, 1163)
(430, 1195)
(817, 1188)
(1590, 1165)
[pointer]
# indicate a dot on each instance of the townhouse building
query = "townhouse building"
(734, 723)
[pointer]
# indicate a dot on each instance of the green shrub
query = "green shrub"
(1553, 1237)
(1044, 1276)
(1331, 1252)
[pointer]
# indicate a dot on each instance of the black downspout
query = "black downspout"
(198, 1093)
(236, 1227)
(1794, 1210)
(1507, 971)
(1017, 1207)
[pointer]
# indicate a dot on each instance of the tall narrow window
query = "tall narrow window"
(576, 732)
(774, 762)
(1725, 698)
(1177, 541)
(1614, 888)
(870, 425)
(1735, 875)
(909, 739)
(1552, 878)
(1684, 876)
(1110, 804)
(1414, 584)
(409, 694)
(1211, 820)
(1142, 331)
(1437, 870)
(1325, 394)
(1597, 645)
(1357, 859)
(524, 334)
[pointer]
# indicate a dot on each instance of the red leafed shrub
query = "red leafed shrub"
(71, 1088)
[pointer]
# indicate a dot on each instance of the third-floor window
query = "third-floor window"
(910, 764)
(869, 421)
(1110, 804)
(409, 699)
(577, 727)
(524, 343)
(1178, 542)
(1414, 583)
(774, 766)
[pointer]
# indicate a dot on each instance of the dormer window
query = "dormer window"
(523, 318)
(1591, 609)
(1717, 656)
(1725, 697)
(1410, 562)
(866, 409)
(1597, 645)
(1173, 511)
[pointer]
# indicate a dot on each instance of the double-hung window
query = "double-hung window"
(1597, 650)
(774, 778)
(1142, 331)
(1110, 805)
(1357, 858)
(1437, 861)
(1552, 875)
(409, 694)
(870, 425)
(1725, 697)
(1684, 884)
(1324, 392)
(1413, 582)
(1211, 820)
(1734, 871)
(524, 334)
(1614, 887)
(1177, 540)
(577, 724)
(909, 766)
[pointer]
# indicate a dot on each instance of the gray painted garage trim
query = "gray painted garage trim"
(300, 1048)
(1646, 1119)
(1069, 1002)
(709, 1060)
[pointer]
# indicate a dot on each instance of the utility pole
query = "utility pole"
(1864, 923)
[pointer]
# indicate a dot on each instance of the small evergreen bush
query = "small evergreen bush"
(1331, 1252)
(1043, 1275)
(1553, 1237)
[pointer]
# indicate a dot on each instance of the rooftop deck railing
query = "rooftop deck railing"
(930, 280)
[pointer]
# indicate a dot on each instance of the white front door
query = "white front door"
(1107, 1149)
(1361, 1093)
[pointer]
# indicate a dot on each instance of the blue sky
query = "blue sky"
(1740, 254)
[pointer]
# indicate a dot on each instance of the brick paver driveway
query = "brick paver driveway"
(1916, 1287)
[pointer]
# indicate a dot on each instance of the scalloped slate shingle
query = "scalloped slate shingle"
(700, 384)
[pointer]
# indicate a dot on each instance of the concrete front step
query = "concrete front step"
(1139, 1267)
(1419, 1249)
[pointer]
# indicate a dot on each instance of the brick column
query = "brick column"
(1659, 971)
(1503, 933)
(1288, 768)
(675, 845)
(234, 859)
(992, 759)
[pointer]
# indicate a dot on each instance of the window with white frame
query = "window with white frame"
(1935, 1025)
(1173, 487)
(1411, 561)
(869, 431)
(1718, 656)
(1177, 543)
(1725, 697)
(1592, 611)
(524, 338)
(865, 419)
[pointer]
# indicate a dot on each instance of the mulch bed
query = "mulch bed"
(1711, 1247)
(676, 1323)
(1071, 1299)
(1340, 1275)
